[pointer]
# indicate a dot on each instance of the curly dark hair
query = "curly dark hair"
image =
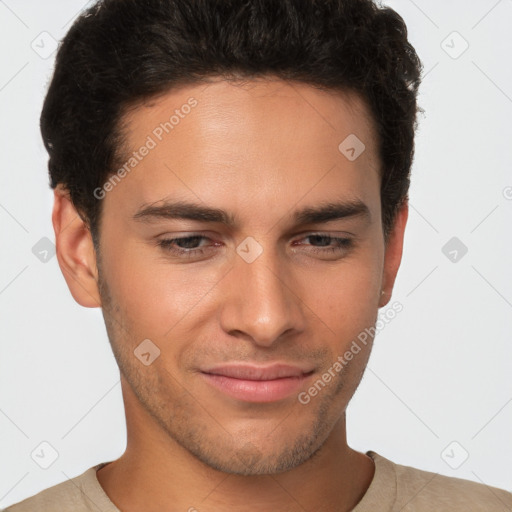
(120, 52)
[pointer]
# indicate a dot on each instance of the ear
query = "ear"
(393, 254)
(75, 250)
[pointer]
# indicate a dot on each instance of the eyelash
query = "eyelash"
(167, 245)
(343, 244)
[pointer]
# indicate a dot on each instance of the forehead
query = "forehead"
(247, 143)
(262, 107)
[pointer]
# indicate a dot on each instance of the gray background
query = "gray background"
(437, 393)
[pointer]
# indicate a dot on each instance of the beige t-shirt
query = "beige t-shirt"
(394, 488)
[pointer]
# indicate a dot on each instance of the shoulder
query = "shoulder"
(80, 494)
(421, 490)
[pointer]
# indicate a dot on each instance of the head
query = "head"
(275, 139)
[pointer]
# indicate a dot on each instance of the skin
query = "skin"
(260, 151)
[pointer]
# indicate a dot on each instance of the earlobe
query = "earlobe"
(393, 254)
(75, 250)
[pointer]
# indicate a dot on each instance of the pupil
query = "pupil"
(189, 242)
(321, 239)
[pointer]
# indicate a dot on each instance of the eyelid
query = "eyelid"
(319, 232)
(297, 236)
(338, 245)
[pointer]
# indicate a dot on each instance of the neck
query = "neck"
(155, 472)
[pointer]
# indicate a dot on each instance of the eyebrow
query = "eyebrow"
(332, 211)
(324, 212)
(183, 210)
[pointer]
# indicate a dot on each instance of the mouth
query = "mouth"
(262, 384)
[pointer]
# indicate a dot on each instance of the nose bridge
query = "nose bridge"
(260, 302)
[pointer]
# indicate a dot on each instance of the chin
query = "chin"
(257, 457)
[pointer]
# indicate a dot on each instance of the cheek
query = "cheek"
(153, 294)
(345, 297)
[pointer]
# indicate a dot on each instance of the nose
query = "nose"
(260, 300)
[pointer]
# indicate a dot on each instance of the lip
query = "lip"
(251, 383)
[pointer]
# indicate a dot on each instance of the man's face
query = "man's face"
(261, 287)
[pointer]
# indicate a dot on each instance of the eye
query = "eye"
(197, 246)
(187, 246)
(326, 245)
